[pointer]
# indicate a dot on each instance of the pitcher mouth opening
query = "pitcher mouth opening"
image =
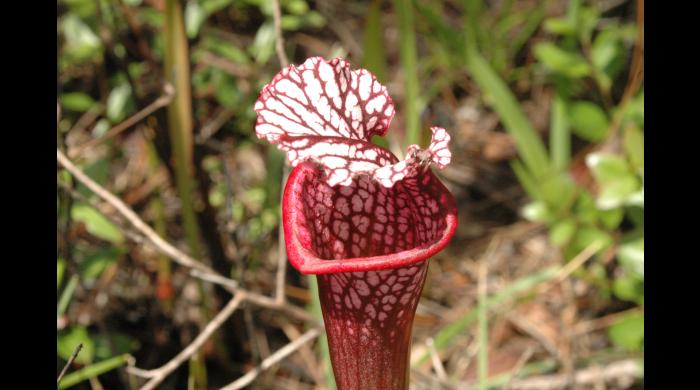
(364, 226)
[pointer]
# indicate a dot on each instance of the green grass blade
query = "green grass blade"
(315, 309)
(181, 131)
(374, 56)
(445, 335)
(530, 146)
(472, 8)
(93, 370)
(559, 136)
(407, 49)
(533, 19)
(483, 332)
(67, 295)
(526, 180)
(180, 120)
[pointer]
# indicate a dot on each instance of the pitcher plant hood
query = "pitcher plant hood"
(350, 205)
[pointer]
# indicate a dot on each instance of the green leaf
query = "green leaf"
(60, 271)
(114, 343)
(194, 17)
(227, 92)
(67, 341)
(536, 212)
(636, 215)
(629, 288)
(611, 218)
(633, 142)
(634, 111)
(77, 101)
(585, 209)
(588, 18)
(296, 7)
(607, 167)
(587, 235)
(605, 48)
(631, 257)
(588, 121)
(117, 102)
(95, 263)
(297, 22)
(96, 224)
(82, 8)
(618, 184)
(562, 231)
(560, 61)
(558, 192)
(559, 26)
(211, 6)
(81, 43)
(628, 332)
(101, 128)
(93, 370)
(264, 43)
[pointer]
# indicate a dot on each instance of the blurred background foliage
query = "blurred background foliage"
(544, 101)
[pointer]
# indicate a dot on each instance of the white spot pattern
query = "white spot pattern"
(372, 300)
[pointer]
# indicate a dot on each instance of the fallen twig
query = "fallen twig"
(69, 362)
(162, 101)
(273, 359)
(201, 270)
(625, 372)
(279, 39)
(159, 374)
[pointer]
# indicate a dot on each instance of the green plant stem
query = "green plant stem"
(93, 370)
(407, 49)
(559, 136)
(180, 125)
(177, 71)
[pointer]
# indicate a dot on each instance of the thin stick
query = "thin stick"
(86, 119)
(573, 265)
(281, 253)
(216, 279)
(198, 269)
(279, 40)
(167, 248)
(482, 359)
(210, 128)
(272, 360)
(159, 374)
(519, 365)
(162, 101)
(435, 358)
(625, 371)
(69, 362)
